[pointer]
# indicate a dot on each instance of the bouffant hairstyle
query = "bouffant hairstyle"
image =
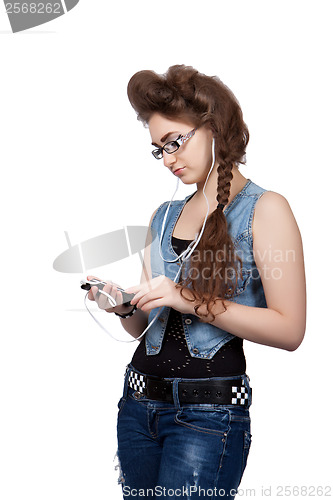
(184, 93)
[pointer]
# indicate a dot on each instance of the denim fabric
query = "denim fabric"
(173, 450)
(203, 339)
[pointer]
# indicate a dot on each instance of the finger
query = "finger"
(119, 297)
(92, 294)
(95, 292)
(108, 288)
(89, 278)
(152, 304)
(103, 299)
(147, 285)
(148, 297)
(142, 290)
(133, 289)
(100, 298)
(112, 292)
(137, 297)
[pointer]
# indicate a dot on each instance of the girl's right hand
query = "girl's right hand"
(102, 301)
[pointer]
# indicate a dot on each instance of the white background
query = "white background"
(74, 158)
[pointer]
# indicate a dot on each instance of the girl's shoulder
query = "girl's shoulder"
(272, 201)
(274, 214)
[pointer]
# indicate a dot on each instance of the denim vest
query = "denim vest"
(204, 339)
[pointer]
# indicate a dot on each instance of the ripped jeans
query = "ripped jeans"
(169, 450)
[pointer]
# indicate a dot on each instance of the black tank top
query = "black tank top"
(174, 359)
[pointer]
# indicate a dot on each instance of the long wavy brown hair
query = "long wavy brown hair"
(184, 93)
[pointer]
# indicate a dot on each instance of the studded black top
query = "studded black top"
(174, 359)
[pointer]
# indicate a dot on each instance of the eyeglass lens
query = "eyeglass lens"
(169, 147)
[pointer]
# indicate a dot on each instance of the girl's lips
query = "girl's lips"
(178, 171)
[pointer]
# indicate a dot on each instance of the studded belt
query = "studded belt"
(224, 392)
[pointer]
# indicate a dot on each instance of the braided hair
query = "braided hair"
(184, 93)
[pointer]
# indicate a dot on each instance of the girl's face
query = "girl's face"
(192, 161)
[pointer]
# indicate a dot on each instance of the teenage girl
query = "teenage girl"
(225, 264)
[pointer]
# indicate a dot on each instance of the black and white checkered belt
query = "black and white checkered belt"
(224, 392)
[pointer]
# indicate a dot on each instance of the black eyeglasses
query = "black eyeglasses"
(172, 146)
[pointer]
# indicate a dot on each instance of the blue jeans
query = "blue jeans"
(173, 450)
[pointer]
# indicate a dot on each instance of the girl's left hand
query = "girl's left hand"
(157, 292)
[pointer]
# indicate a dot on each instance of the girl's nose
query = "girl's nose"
(169, 159)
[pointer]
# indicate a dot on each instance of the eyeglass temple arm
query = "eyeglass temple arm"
(184, 138)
